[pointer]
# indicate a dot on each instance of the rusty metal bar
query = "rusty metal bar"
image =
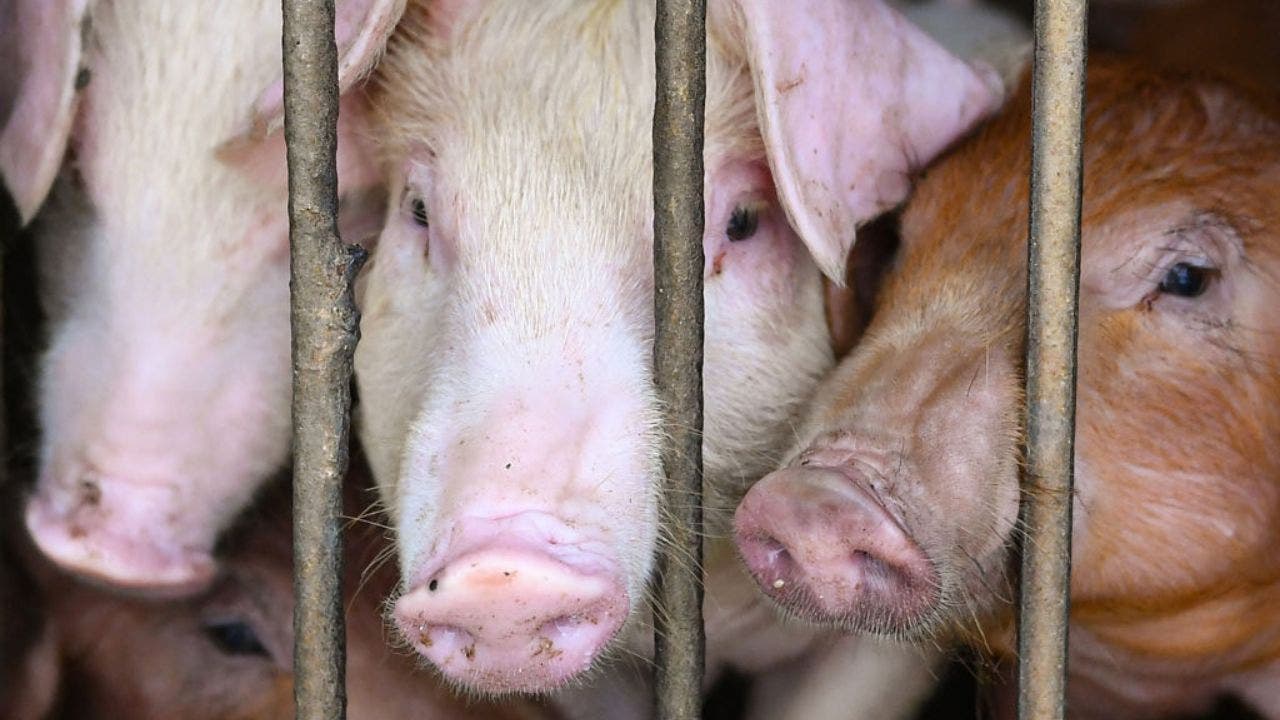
(677, 251)
(324, 323)
(1053, 282)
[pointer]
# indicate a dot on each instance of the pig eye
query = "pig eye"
(743, 222)
(1186, 280)
(235, 637)
(419, 210)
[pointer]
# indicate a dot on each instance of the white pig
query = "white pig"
(165, 390)
(508, 407)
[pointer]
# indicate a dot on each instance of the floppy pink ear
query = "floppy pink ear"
(852, 98)
(45, 38)
(362, 28)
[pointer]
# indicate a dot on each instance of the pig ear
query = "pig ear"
(362, 28)
(41, 44)
(852, 98)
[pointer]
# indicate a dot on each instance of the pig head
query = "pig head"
(226, 654)
(165, 389)
(507, 397)
(897, 510)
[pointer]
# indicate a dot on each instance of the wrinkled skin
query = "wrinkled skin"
(227, 654)
(508, 407)
(912, 447)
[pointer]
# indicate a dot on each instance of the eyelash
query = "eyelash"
(418, 210)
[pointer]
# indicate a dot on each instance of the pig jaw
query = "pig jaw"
(898, 509)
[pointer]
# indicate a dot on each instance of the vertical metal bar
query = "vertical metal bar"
(1053, 265)
(324, 323)
(677, 249)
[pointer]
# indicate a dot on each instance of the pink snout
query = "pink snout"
(823, 547)
(512, 618)
(130, 536)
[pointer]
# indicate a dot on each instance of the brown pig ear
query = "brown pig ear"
(851, 99)
(362, 28)
(40, 46)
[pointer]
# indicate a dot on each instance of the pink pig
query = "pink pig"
(165, 390)
(508, 407)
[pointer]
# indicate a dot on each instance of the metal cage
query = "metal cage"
(324, 332)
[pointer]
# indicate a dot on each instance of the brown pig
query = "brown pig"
(896, 511)
(226, 654)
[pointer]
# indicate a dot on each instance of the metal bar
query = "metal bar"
(1053, 282)
(324, 323)
(678, 265)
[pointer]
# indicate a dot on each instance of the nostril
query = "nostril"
(451, 638)
(433, 585)
(775, 552)
(770, 560)
(565, 626)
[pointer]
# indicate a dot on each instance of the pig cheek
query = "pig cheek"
(1207, 494)
(766, 336)
(969, 456)
(69, 379)
(402, 310)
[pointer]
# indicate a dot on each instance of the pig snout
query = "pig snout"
(819, 542)
(125, 534)
(508, 607)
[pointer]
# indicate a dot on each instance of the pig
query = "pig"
(165, 388)
(507, 400)
(227, 653)
(896, 511)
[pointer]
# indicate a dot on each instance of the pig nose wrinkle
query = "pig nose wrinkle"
(512, 620)
(825, 549)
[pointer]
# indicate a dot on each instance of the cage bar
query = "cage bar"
(1053, 281)
(679, 642)
(324, 325)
